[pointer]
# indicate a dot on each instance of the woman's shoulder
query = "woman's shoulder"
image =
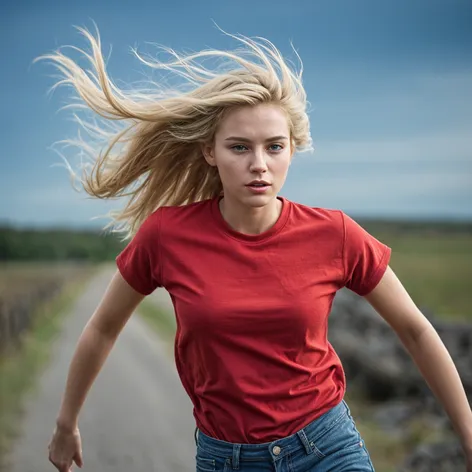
(317, 214)
(173, 219)
(186, 212)
(178, 211)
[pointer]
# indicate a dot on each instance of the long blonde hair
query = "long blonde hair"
(147, 143)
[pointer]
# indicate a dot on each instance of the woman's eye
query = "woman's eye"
(242, 148)
(239, 147)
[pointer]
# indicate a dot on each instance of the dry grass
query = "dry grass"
(436, 269)
(20, 368)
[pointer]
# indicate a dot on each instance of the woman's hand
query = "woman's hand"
(65, 448)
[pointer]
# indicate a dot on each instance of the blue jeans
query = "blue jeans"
(331, 443)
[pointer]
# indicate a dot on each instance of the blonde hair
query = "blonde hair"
(147, 144)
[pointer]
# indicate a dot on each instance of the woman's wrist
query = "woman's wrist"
(67, 425)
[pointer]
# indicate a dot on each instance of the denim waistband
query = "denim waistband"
(304, 438)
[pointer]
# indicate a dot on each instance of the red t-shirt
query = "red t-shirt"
(252, 311)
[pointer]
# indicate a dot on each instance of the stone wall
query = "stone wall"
(378, 365)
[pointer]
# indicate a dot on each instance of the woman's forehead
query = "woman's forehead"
(255, 121)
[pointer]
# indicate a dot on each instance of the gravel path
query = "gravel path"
(137, 416)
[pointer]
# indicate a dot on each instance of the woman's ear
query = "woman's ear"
(208, 154)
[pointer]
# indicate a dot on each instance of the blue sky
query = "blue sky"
(389, 82)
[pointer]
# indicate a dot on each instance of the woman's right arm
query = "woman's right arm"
(94, 345)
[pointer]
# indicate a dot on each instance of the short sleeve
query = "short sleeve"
(365, 258)
(139, 263)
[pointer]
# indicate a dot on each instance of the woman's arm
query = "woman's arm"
(394, 304)
(94, 345)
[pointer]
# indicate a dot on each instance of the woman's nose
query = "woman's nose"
(258, 163)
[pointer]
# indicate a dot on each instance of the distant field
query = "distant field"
(436, 269)
(19, 278)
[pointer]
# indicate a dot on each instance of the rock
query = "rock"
(374, 357)
(438, 457)
(392, 416)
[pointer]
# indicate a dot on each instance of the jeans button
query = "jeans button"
(276, 450)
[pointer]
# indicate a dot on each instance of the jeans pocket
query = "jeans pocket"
(205, 465)
(207, 462)
(340, 437)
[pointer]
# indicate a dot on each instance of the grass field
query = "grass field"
(436, 269)
(18, 279)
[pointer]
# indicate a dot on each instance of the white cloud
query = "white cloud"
(384, 180)
(455, 146)
(369, 106)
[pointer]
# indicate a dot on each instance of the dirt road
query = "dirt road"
(137, 416)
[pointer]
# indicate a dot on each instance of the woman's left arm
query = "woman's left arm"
(391, 300)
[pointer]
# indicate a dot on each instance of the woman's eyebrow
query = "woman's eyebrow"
(246, 140)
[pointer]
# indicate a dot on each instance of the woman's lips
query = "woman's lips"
(258, 188)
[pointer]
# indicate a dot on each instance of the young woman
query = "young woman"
(252, 275)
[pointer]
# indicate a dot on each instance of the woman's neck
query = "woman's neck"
(250, 220)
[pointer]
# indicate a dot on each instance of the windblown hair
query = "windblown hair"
(146, 144)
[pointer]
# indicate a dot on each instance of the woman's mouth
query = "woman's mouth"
(258, 187)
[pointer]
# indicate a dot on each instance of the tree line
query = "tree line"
(57, 244)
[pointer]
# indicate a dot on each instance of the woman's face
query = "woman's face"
(252, 143)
